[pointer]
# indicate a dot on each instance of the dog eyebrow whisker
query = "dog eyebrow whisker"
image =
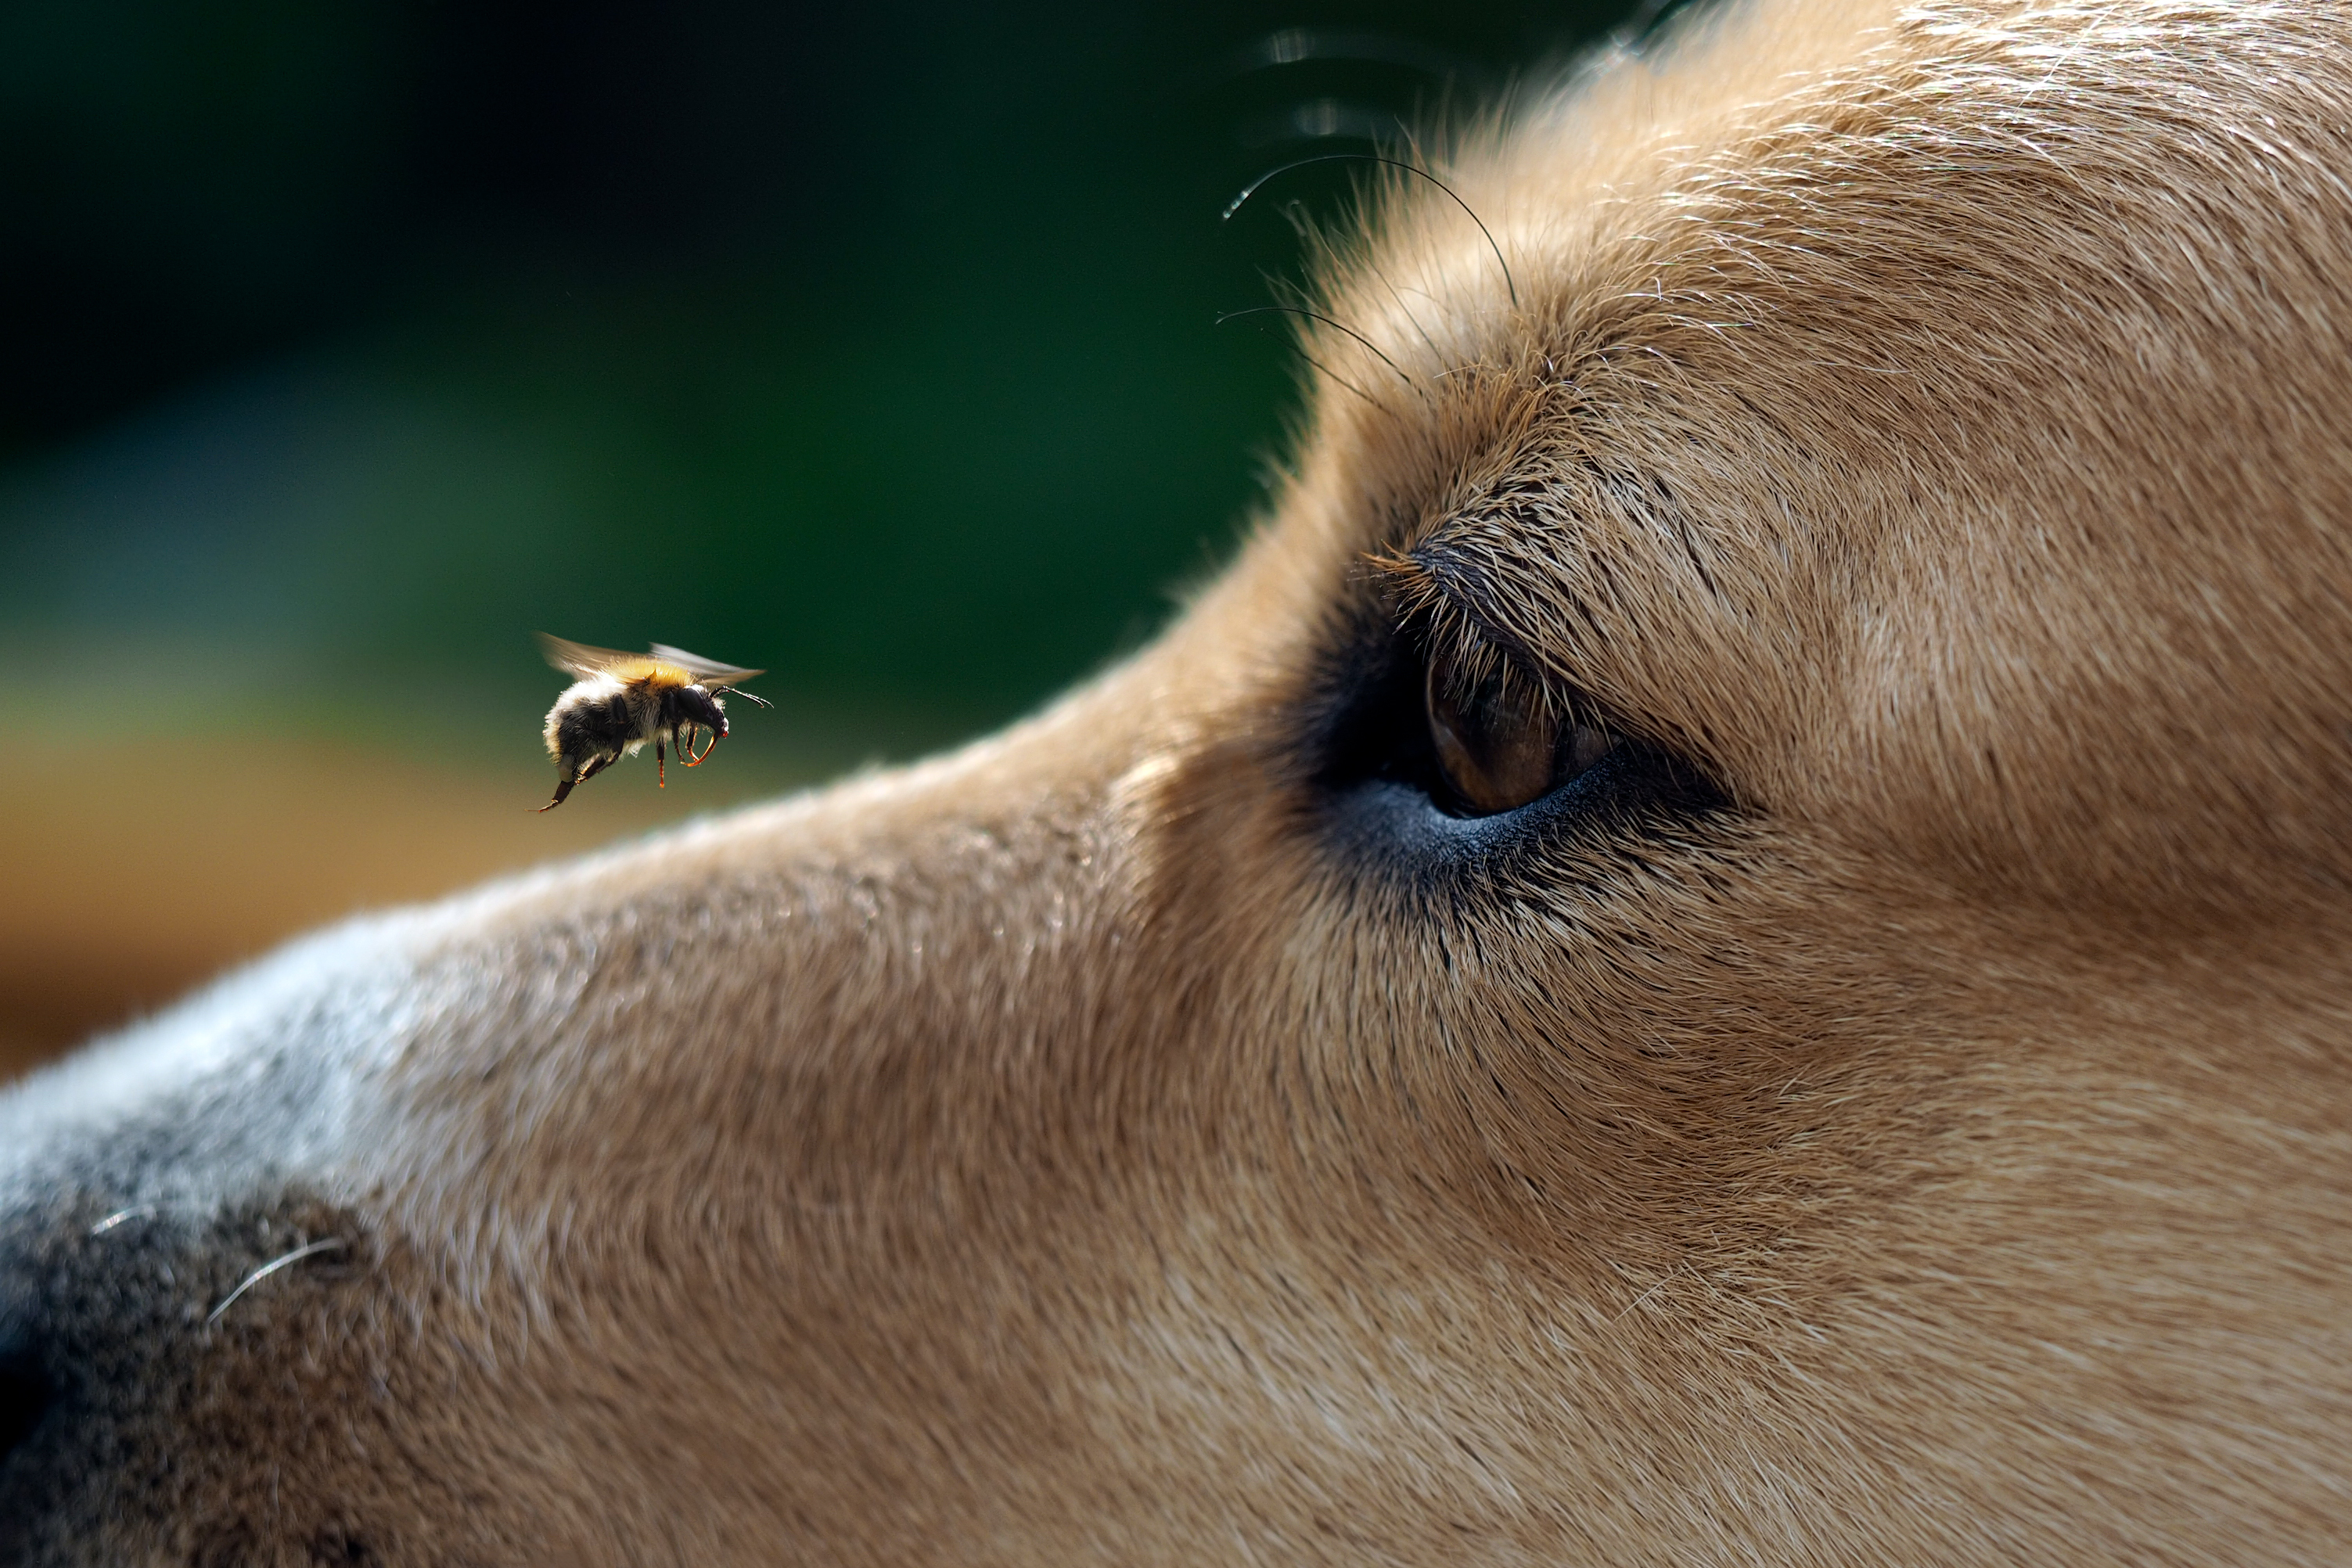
(1509, 283)
(1291, 343)
(121, 1216)
(332, 1244)
(1319, 316)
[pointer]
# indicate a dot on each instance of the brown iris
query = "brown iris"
(1499, 741)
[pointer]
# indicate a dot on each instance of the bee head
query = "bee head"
(699, 705)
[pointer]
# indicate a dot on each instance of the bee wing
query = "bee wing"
(706, 671)
(582, 662)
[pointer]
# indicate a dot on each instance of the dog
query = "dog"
(1729, 940)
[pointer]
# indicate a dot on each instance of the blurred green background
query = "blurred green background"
(350, 341)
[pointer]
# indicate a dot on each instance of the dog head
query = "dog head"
(1725, 939)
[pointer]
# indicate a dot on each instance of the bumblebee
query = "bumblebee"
(618, 701)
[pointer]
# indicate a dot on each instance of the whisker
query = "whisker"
(1318, 316)
(1252, 189)
(1342, 380)
(1292, 344)
(332, 1244)
(1408, 312)
(122, 1216)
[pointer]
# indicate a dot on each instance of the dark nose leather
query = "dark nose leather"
(32, 1385)
(26, 1389)
(119, 1329)
(82, 1324)
(26, 1395)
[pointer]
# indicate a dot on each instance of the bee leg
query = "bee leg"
(563, 787)
(661, 767)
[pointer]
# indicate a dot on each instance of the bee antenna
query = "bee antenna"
(754, 697)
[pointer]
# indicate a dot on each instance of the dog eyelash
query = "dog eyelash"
(1497, 733)
(1441, 624)
(1501, 737)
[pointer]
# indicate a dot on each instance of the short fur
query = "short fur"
(1141, 1138)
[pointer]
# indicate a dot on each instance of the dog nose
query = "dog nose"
(73, 1314)
(31, 1388)
(117, 1324)
(26, 1395)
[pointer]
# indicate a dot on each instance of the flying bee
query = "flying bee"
(618, 701)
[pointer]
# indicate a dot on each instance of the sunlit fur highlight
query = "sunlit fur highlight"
(1110, 1144)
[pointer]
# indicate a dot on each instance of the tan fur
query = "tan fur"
(1932, 427)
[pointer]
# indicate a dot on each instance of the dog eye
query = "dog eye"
(1500, 742)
